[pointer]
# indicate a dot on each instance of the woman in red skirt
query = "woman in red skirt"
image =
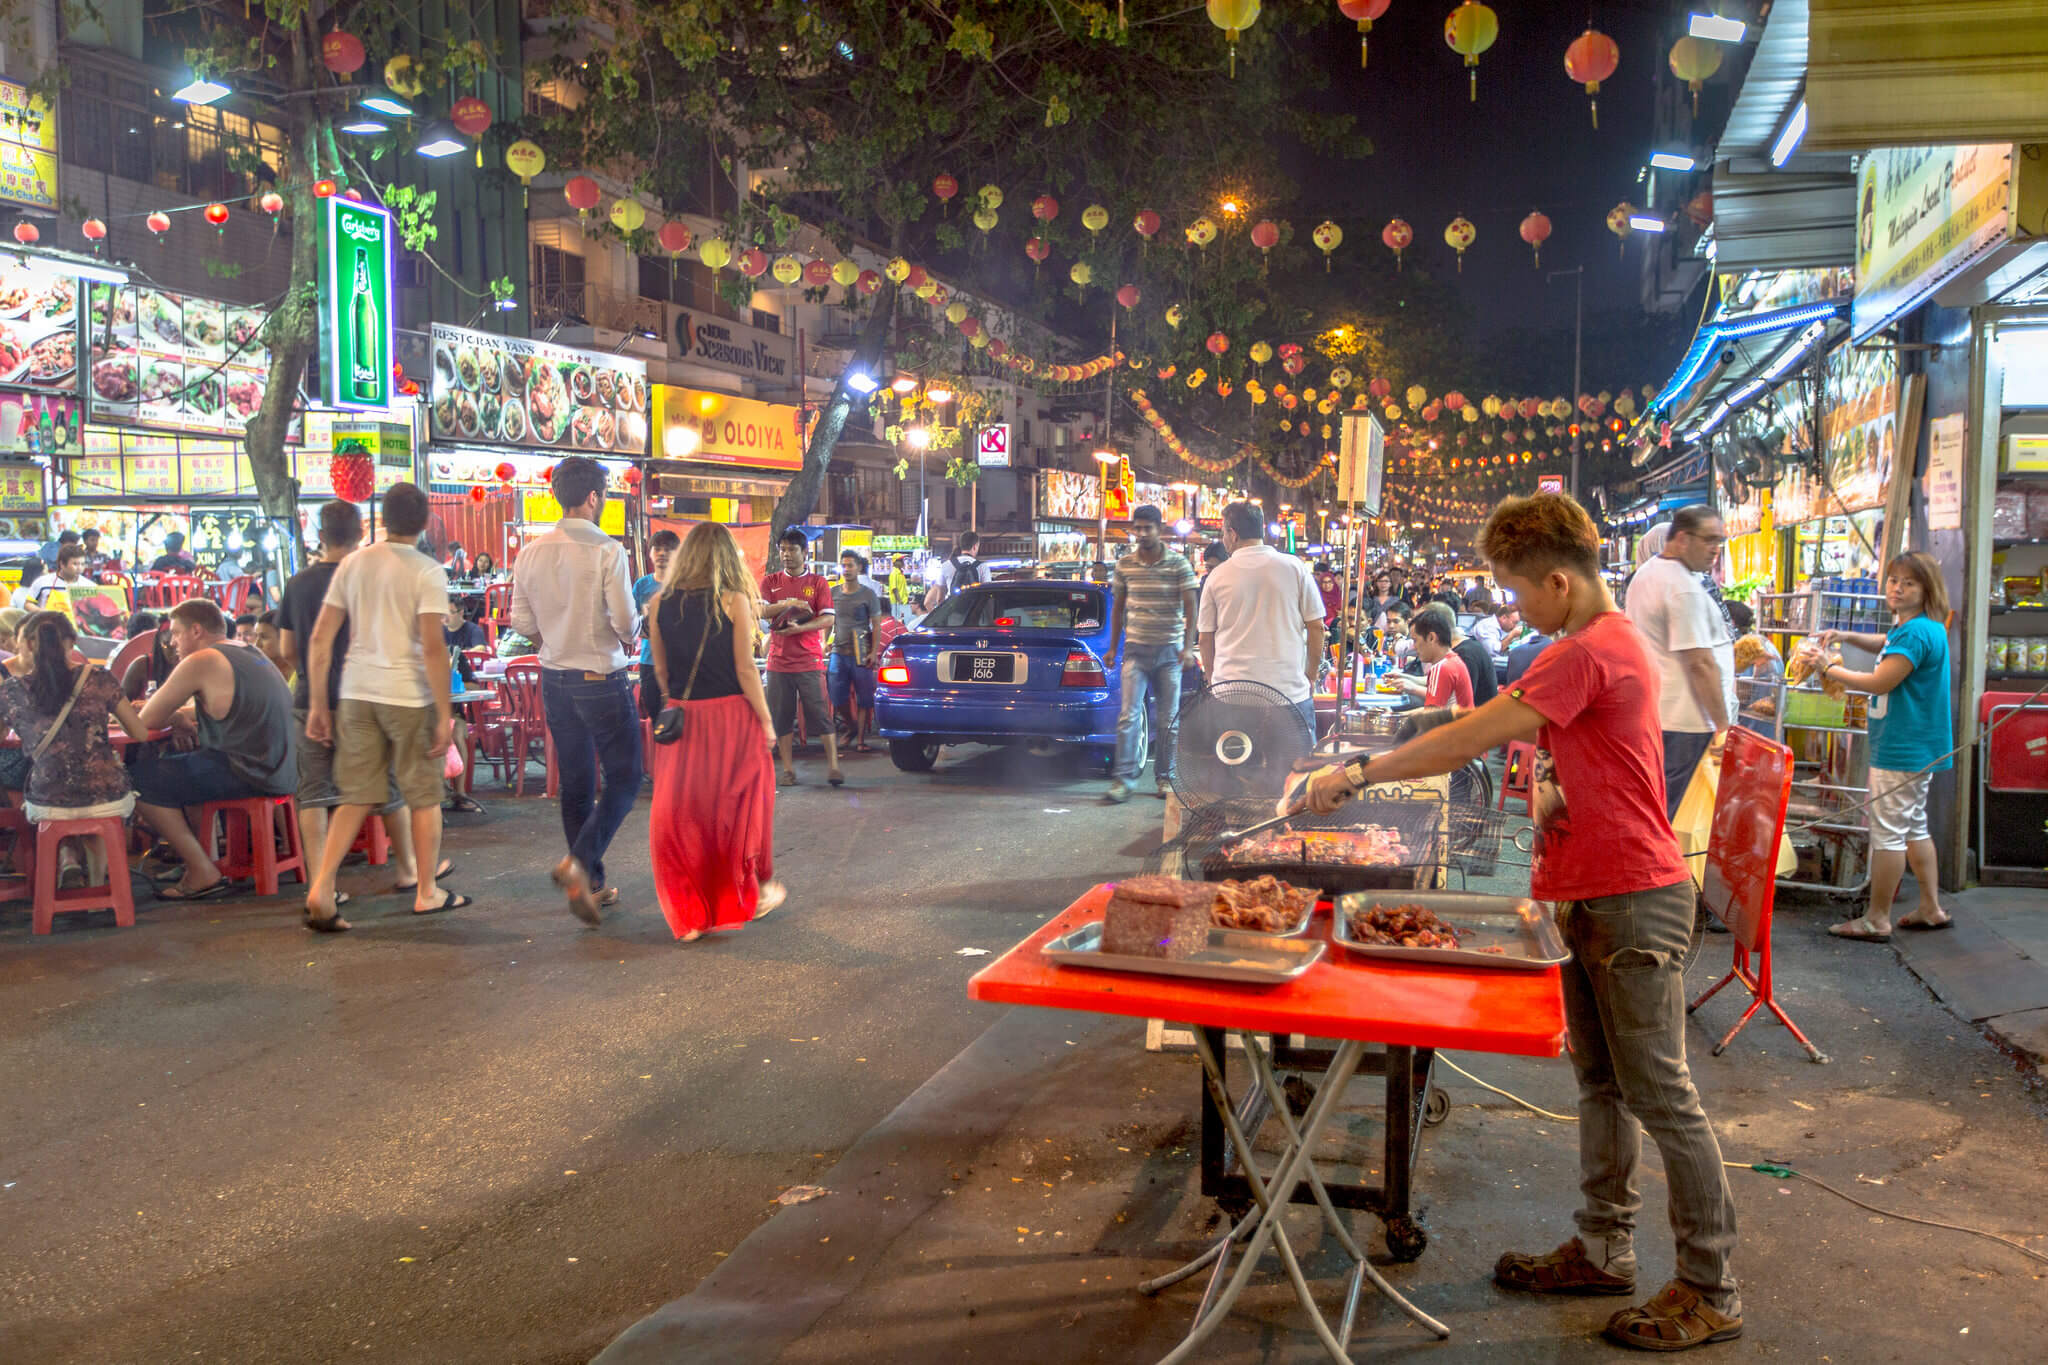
(711, 832)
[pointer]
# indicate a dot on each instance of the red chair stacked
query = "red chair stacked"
(173, 588)
(232, 595)
(114, 894)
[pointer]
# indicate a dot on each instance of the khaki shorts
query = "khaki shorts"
(1898, 809)
(316, 775)
(377, 745)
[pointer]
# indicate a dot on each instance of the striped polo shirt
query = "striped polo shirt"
(1151, 594)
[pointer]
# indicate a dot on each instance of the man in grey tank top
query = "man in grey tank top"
(242, 718)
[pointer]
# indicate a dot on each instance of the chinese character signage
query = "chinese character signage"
(174, 360)
(355, 304)
(1361, 463)
(1922, 213)
(21, 488)
(28, 149)
(498, 390)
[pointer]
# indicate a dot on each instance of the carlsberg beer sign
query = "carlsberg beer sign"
(355, 304)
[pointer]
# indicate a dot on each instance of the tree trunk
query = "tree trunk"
(801, 496)
(293, 336)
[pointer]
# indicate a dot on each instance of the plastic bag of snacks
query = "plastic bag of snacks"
(1995, 654)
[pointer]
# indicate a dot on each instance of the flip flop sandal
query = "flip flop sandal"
(1848, 931)
(447, 866)
(606, 897)
(836, 779)
(462, 805)
(1916, 927)
(224, 887)
(1567, 1270)
(788, 779)
(1678, 1319)
(454, 900)
(332, 924)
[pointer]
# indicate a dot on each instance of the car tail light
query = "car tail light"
(895, 671)
(1083, 670)
(1004, 622)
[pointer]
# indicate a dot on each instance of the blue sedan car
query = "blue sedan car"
(1002, 663)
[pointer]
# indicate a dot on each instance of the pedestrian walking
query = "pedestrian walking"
(798, 606)
(1912, 737)
(1153, 622)
(711, 830)
(856, 607)
(303, 599)
(1607, 857)
(1690, 642)
(572, 595)
(1260, 617)
(661, 547)
(395, 720)
(963, 570)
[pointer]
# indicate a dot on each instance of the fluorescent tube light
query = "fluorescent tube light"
(1790, 135)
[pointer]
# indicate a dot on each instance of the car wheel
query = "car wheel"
(914, 755)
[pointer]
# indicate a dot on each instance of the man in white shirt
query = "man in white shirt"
(1690, 642)
(572, 595)
(1261, 618)
(396, 720)
(69, 573)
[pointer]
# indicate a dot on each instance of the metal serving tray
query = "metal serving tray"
(1232, 955)
(1523, 930)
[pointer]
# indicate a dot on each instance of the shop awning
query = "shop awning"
(1731, 362)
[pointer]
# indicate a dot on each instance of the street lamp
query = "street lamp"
(200, 90)
(861, 382)
(939, 395)
(439, 139)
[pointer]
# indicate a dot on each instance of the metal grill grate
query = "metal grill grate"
(1417, 816)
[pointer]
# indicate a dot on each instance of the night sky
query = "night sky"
(1528, 143)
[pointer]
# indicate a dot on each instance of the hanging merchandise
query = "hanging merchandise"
(1470, 30)
(1233, 17)
(1694, 61)
(1363, 12)
(1327, 236)
(1397, 235)
(1460, 234)
(1535, 231)
(1591, 59)
(1618, 222)
(628, 215)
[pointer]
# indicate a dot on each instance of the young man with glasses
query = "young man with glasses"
(1690, 642)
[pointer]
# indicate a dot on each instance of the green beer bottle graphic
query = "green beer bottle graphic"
(363, 322)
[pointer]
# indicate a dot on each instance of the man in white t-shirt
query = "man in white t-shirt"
(1261, 617)
(1690, 642)
(396, 721)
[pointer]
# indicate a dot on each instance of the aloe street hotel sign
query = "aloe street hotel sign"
(355, 304)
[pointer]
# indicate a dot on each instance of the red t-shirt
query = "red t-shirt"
(1601, 753)
(1448, 681)
(803, 653)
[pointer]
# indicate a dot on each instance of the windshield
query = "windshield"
(1020, 608)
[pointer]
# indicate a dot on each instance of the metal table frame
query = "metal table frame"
(1272, 1193)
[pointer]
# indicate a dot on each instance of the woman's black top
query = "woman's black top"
(683, 618)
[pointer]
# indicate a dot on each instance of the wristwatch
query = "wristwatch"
(1354, 771)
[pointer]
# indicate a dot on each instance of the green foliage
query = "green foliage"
(413, 211)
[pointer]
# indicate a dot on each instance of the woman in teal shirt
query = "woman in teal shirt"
(1911, 739)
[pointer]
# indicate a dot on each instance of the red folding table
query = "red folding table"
(1410, 1009)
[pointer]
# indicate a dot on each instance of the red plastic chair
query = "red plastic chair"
(173, 588)
(1519, 781)
(114, 578)
(514, 733)
(130, 651)
(21, 831)
(114, 894)
(374, 841)
(497, 611)
(265, 858)
(232, 595)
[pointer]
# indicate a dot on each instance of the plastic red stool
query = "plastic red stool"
(21, 884)
(373, 840)
(1519, 780)
(248, 855)
(115, 894)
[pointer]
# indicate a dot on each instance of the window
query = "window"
(121, 127)
(767, 321)
(844, 496)
(557, 285)
(1024, 433)
(952, 512)
(1008, 608)
(655, 282)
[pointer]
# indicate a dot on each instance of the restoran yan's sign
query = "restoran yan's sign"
(721, 428)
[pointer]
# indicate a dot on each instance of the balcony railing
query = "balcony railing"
(592, 305)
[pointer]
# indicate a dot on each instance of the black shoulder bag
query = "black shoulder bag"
(668, 726)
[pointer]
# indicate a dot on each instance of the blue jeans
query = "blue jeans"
(596, 725)
(1153, 669)
(1308, 713)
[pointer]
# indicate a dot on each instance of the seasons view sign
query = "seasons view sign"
(510, 391)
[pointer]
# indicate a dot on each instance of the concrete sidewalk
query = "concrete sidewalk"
(1992, 967)
(1007, 1210)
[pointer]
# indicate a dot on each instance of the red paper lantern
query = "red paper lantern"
(1128, 296)
(1397, 235)
(353, 479)
(159, 223)
(1045, 208)
(26, 233)
(1535, 231)
(633, 477)
(1217, 343)
(353, 195)
(470, 116)
(341, 53)
(1590, 60)
(94, 230)
(999, 348)
(217, 214)
(818, 274)
(1147, 224)
(1265, 235)
(868, 282)
(916, 279)
(1380, 387)
(1293, 364)
(1362, 12)
(505, 471)
(271, 203)
(582, 193)
(754, 263)
(324, 189)
(674, 238)
(1037, 249)
(945, 187)
(970, 327)
(476, 493)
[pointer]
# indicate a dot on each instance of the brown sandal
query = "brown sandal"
(1567, 1270)
(1678, 1319)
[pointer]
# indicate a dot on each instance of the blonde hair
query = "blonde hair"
(709, 559)
(1922, 569)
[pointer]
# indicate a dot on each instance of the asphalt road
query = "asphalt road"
(228, 1139)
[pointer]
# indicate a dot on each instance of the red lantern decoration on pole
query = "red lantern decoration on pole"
(1217, 343)
(582, 193)
(868, 282)
(818, 274)
(754, 263)
(1535, 231)
(1397, 235)
(1147, 224)
(945, 187)
(1037, 249)
(674, 238)
(1590, 60)
(1363, 12)
(471, 116)
(341, 53)
(1128, 296)
(1045, 208)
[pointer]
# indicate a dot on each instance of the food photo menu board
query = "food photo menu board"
(499, 390)
(38, 331)
(175, 361)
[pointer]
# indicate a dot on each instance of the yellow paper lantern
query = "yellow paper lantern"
(1694, 60)
(1470, 30)
(898, 270)
(927, 289)
(956, 312)
(1470, 413)
(1460, 234)
(1233, 17)
(1095, 218)
(715, 253)
(985, 219)
(1080, 273)
(1340, 377)
(1173, 315)
(787, 269)
(1261, 353)
(845, 273)
(1417, 395)
(628, 215)
(1201, 232)
(1328, 236)
(979, 341)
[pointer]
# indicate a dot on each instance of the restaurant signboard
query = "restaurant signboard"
(1921, 214)
(734, 347)
(1069, 495)
(355, 304)
(28, 148)
(508, 391)
(174, 361)
(720, 428)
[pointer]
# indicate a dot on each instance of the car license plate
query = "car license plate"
(984, 668)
